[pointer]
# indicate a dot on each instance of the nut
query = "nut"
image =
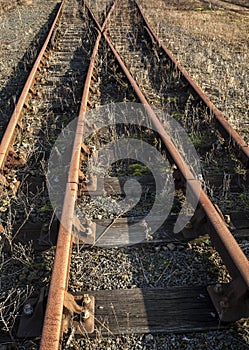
(218, 289)
(28, 309)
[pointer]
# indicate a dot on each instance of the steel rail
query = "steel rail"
(236, 3)
(52, 325)
(216, 221)
(51, 334)
(225, 243)
(9, 134)
(234, 138)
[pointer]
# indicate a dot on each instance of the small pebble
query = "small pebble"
(149, 337)
(171, 246)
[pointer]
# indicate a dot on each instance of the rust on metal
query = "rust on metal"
(102, 28)
(230, 300)
(78, 313)
(58, 299)
(53, 322)
(51, 333)
(9, 135)
(234, 138)
(74, 165)
(222, 238)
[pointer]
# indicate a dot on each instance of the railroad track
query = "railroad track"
(155, 78)
(237, 3)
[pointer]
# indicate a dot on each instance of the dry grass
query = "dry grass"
(213, 46)
(205, 26)
(232, 28)
(6, 5)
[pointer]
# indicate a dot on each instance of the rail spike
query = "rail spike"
(65, 311)
(226, 245)
(230, 300)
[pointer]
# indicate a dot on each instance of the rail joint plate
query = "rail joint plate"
(32, 316)
(231, 300)
(78, 313)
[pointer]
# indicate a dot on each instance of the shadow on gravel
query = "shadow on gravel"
(30, 210)
(10, 93)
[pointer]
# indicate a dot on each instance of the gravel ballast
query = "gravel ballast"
(211, 42)
(154, 266)
(22, 31)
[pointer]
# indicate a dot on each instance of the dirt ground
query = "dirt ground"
(211, 40)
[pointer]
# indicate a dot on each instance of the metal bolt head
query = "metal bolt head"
(188, 225)
(224, 304)
(227, 219)
(28, 309)
(87, 299)
(218, 289)
(88, 231)
(86, 314)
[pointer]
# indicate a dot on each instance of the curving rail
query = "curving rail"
(14, 122)
(231, 300)
(226, 129)
(51, 334)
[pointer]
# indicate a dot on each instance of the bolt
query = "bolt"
(87, 299)
(224, 304)
(188, 225)
(86, 314)
(28, 309)
(227, 219)
(88, 231)
(218, 289)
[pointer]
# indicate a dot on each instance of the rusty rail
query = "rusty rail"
(225, 127)
(52, 332)
(228, 248)
(9, 135)
(231, 301)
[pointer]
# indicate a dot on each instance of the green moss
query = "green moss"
(138, 170)
(244, 198)
(195, 138)
(172, 99)
(200, 139)
(177, 116)
(52, 137)
(201, 9)
(45, 208)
